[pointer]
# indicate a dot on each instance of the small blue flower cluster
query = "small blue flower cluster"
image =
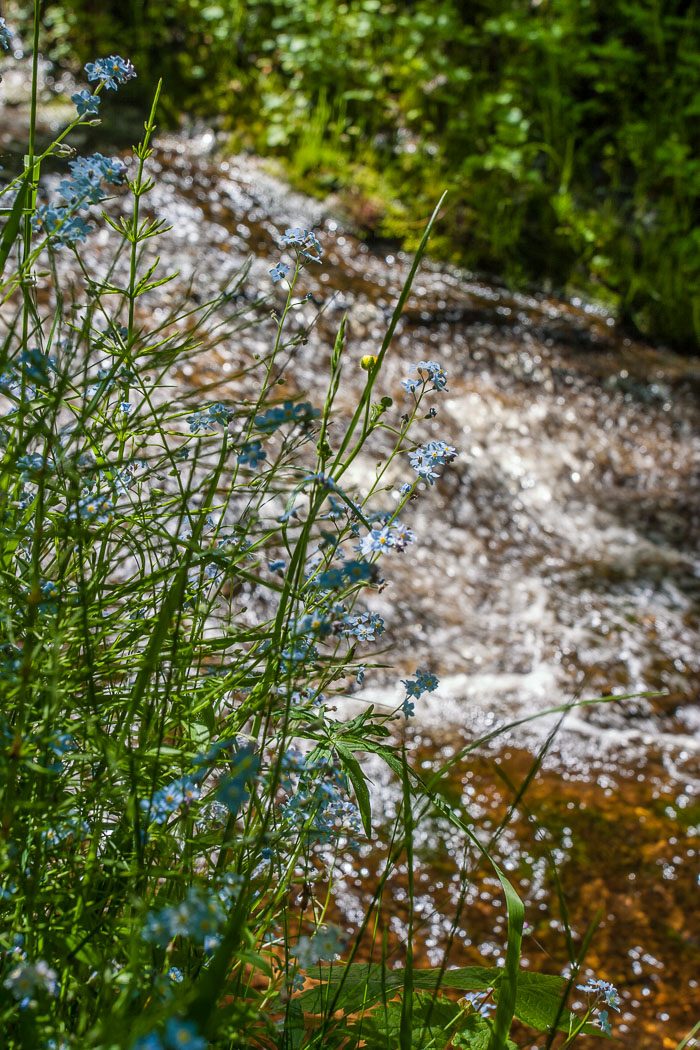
(86, 103)
(302, 651)
(34, 369)
(107, 379)
(199, 916)
(365, 626)
(32, 465)
(304, 242)
(10, 382)
(395, 535)
(424, 682)
(39, 368)
(348, 572)
(179, 1035)
(302, 698)
(182, 792)
(220, 750)
(251, 454)
(273, 418)
(62, 743)
(61, 223)
(88, 174)
(337, 510)
(314, 624)
(319, 808)
(5, 35)
(292, 765)
(278, 272)
(329, 580)
(110, 71)
(423, 459)
(205, 420)
(220, 413)
(327, 943)
(242, 773)
(70, 829)
(95, 509)
(26, 979)
(97, 506)
(600, 992)
(49, 607)
(429, 372)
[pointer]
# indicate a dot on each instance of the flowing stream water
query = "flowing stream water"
(557, 559)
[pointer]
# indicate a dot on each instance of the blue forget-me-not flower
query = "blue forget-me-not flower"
(86, 103)
(602, 990)
(273, 418)
(183, 1035)
(252, 453)
(428, 372)
(110, 71)
(304, 242)
(278, 272)
(5, 35)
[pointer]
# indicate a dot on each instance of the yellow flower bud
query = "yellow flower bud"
(368, 362)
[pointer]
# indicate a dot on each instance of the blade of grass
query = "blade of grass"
(14, 219)
(339, 467)
(686, 1041)
(406, 1027)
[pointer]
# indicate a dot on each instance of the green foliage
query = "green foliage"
(564, 130)
(351, 987)
(171, 635)
(378, 994)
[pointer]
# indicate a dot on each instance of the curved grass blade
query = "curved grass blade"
(11, 230)
(398, 310)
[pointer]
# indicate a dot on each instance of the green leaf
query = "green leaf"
(505, 1010)
(9, 234)
(433, 1020)
(538, 1000)
(474, 1033)
(363, 984)
(359, 783)
(464, 978)
(359, 984)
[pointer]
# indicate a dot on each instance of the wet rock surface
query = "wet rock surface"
(557, 560)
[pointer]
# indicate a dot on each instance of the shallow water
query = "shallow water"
(557, 559)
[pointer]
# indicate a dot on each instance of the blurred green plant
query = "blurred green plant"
(564, 129)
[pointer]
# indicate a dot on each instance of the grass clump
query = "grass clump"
(181, 596)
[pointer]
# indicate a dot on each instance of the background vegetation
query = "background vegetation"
(563, 129)
(179, 586)
(181, 593)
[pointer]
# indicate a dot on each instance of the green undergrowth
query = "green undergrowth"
(564, 131)
(184, 582)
